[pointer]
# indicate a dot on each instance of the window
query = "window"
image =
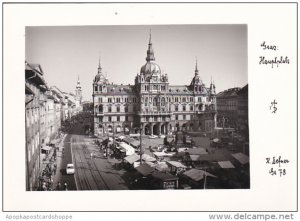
(118, 118)
(126, 118)
(162, 101)
(109, 119)
(191, 99)
(184, 117)
(176, 99)
(100, 119)
(96, 88)
(176, 117)
(154, 102)
(118, 100)
(184, 108)
(199, 99)
(184, 99)
(126, 109)
(100, 108)
(109, 108)
(176, 107)
(109, 100)
(118, 108)
(191, 107)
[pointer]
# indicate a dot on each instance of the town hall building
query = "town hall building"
(152, 105)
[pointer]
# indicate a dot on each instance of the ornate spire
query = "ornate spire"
(196, 68)
(150, 52)
(99, 67)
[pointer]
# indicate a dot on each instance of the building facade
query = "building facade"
(152, 105)
(233, 108)
(35, 88)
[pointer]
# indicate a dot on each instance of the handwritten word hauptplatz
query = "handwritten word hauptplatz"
(275, 61)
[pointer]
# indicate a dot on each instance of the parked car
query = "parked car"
(162, 136)
(70, 168)
(152, 136)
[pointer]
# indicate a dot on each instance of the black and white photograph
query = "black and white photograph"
(152, 107)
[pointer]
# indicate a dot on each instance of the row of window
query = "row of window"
(154, 87)
(150, 99)
(100, 119)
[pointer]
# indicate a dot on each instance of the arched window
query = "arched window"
(163, 101)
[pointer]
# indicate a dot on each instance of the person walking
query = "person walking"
(65, 186)
(58, 186)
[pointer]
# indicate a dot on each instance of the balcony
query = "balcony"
(154, 113)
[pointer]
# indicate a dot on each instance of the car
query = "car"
(70, 168)
(162, 136)
(152, 136)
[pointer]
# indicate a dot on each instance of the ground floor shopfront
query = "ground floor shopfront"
(202, 123)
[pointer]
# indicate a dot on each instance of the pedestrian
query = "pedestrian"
(65, 186)
(58, 186)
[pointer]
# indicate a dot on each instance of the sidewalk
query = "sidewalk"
(59, 157)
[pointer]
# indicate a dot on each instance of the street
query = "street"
(91, 173)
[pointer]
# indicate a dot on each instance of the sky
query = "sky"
(66, 53)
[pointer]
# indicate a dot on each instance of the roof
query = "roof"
(120, 89)
(148, 158)
(197, 175)
(164, 176)
(226, 164)
(161, 166)
(231, 92)
(179, 89)
(242, 158)
(197, 151)
(132, 158)
(145, 169)
(162, 154)
(176, 164)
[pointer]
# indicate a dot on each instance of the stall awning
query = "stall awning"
(226, 164)
(132, 158)
(242, 158)
(195, 157)
(148, 158)
(164, 176)
(197, 175)
(197, 151)
(162, 166)
(46, 148)
(176, 164)
(145, 169)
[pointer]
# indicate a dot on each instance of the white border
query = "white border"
(270, 135)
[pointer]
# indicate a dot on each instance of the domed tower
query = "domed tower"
(196, 84)
(100, 82)
(152, 86)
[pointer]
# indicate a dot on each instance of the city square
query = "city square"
(149, 135)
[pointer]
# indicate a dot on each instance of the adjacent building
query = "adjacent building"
(35, 87)
(45, 109)
(233, 108)
(152, 105)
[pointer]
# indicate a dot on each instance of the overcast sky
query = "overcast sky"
(65, 53)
